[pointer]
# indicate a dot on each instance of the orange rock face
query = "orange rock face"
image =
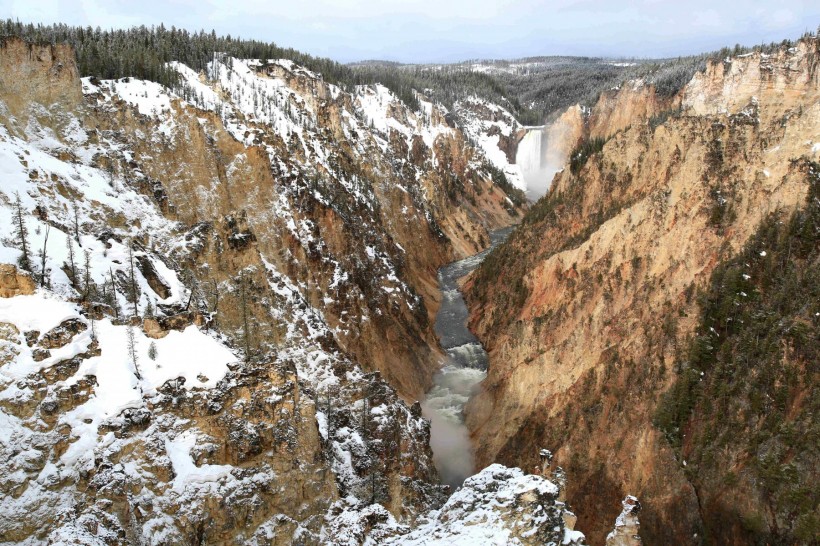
(586, 308)
(14, 282)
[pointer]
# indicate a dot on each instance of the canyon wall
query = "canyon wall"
(587, 310)
(230, 277)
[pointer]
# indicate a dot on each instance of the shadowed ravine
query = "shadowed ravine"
(465, 367)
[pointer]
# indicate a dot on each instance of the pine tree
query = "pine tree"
(132, 349)
(75, 211)
(72, 268)
(243, 302)
(152, 351)
(112, 296)
(88, 284)
(21, 232)
(195, 295)
(214, 308)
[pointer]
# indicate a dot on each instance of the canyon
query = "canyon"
(258, 307)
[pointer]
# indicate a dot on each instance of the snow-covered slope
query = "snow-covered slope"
(498, 506)
(230, 277)
(495, 130)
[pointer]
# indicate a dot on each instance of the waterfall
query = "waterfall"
(532, 159)
(529, 154)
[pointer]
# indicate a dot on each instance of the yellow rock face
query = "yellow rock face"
(44, 74)
(14, 282)
(596, 294)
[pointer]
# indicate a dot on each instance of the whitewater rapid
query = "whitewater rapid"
(466, 366)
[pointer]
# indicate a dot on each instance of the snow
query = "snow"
(29, 169)
(41, 312)
(572, 536)
(321, 422)
(112, 384)
(192, 355)
(36, 312)
(150, 98)
(485, 511)
(378, 107)
(206, 96)
(186, 472)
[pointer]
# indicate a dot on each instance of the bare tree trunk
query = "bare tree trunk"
(43, 259)
(132, 349)
(72, 266)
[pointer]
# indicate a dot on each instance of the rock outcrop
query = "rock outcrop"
(627, 525)
(499, 506)
(41, 74)
(632, 103)
(14, 282)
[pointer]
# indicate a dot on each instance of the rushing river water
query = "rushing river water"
(464, 369)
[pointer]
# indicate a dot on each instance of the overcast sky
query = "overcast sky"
(452, 30)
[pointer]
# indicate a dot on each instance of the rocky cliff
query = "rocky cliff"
(234, 286)
(587, 309)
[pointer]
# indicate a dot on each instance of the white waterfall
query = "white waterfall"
(529, 154)
(531, 159)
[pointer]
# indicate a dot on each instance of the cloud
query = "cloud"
(708, 18)
(781, 18)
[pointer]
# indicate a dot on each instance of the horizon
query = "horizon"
(402, 33)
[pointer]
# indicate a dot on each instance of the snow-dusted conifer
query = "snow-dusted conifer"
(21, 232)
(132, 349)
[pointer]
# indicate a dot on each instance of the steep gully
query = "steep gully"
(466, 366)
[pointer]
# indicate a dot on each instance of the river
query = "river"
(465, 367)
